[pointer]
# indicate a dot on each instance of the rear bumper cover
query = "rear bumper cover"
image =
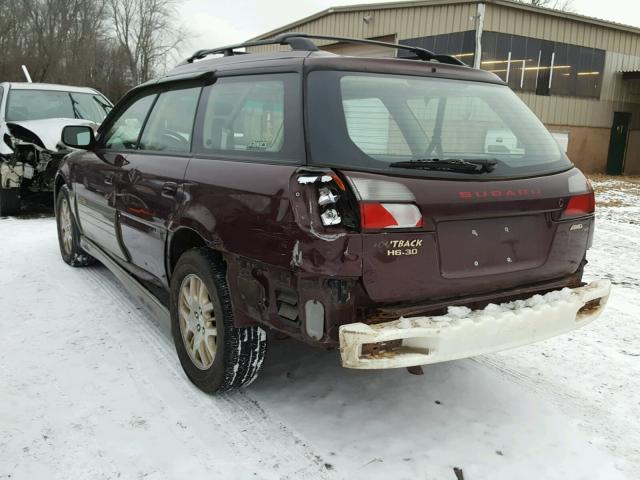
(465, 333)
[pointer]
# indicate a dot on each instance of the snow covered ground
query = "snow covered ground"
(90, 388)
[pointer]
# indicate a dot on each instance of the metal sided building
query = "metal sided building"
(580, 75)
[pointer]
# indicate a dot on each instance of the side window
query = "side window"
(125, 131)
(372, 128)
(170, 124)
(244, 114)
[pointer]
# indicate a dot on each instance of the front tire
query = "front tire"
(68, 233)
(215, 355)
(9, 202)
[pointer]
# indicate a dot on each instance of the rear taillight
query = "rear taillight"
(580, 205)
(378, 216)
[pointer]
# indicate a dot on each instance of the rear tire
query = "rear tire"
(9, 202)
(68, 233)
(200, 305)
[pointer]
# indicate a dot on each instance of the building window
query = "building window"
(589, 75)
(543, 67)
(461, 45)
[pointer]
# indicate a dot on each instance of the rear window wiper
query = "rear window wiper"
(449, 165)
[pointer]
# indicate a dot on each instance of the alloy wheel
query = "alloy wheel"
(66, 226)
(197, 321)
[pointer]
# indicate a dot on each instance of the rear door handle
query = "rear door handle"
(108, 179)
(169, 189)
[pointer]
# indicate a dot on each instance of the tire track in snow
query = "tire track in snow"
(248, 430)
(594, 404)
(594, 418)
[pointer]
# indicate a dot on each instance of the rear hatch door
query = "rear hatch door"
(472, 237)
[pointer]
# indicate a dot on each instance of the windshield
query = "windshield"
(374, 121)
(40, 104)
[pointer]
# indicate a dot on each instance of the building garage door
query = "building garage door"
(342, 48)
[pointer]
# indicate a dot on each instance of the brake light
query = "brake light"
(580, 205)
(377, 216)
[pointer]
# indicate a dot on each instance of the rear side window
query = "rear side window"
(251, 117)
(170, 125)
(125, 131)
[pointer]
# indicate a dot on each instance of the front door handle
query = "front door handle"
(169, 189)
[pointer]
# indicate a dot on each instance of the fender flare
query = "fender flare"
(192, 225)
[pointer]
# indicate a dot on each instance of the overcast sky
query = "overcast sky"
(215, 22)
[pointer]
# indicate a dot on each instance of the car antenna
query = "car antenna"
(26, 73)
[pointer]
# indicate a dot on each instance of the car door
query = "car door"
(149, 186)
(97, 170)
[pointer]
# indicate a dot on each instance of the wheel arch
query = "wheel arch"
(182, 239)
(59, 181)
(62, 177)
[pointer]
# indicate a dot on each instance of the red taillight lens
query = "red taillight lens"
(377, 216)
(580, 205)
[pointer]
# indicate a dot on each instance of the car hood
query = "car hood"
(48, 131)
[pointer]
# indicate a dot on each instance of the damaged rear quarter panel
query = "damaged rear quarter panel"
(248, 212)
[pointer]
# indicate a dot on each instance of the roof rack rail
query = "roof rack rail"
(420, 53)
(303, 41)
(295, 41)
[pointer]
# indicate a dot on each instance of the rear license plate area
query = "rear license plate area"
(470, 248)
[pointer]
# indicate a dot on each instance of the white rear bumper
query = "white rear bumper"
(464, 333)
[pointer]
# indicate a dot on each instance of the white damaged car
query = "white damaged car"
(32, 116)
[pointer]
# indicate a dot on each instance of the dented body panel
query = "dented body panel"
(35, 153)
(274, 246)
(30, 148)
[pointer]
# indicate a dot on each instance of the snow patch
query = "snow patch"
(492, 310)
(457, 312)
(404, 323)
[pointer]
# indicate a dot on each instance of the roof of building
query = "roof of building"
(427, 3)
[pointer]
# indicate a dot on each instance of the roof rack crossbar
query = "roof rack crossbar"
(303, 41)
(421, 53)
(295, 42)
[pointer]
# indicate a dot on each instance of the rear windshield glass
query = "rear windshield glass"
(370, 121)
(31, 104)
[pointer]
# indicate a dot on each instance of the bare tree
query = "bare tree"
(111, 45)
(145, 30)
(563, 5)
(63, 33)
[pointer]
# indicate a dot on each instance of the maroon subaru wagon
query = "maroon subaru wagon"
(407, 210)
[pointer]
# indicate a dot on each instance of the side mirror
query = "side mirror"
(78, 136)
